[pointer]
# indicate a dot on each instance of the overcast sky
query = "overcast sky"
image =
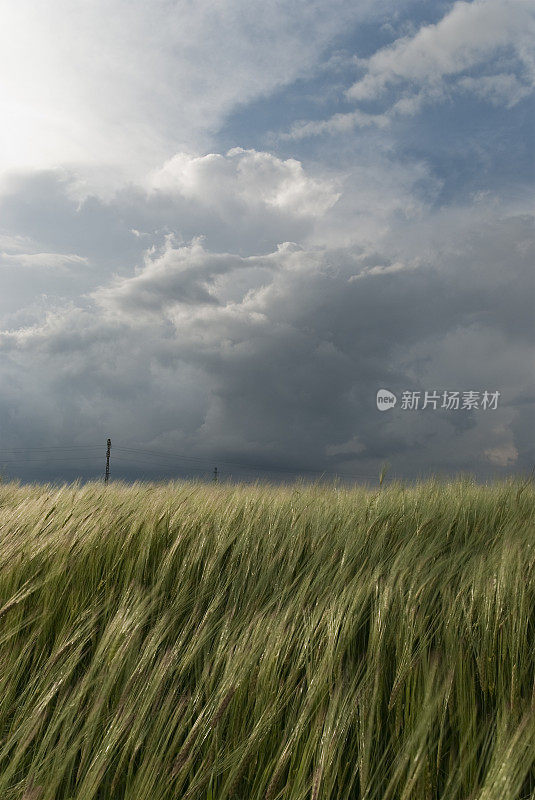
(224, 227)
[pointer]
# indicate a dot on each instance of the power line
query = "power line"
(140, 461)
(48, 449)
(137, 462)
(46, 461)
(160, 455)
(296, 470)
(131, 455)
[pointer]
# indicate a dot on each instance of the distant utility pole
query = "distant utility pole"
(215, 474)
(108, 451)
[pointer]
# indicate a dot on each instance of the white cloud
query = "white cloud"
(117, 86)
(52, 261)
(338, 123)
(178, 275)
(468, 36)
(13, 242)
(243, 180)
(385, 269)
(503, 89)
(427, 66)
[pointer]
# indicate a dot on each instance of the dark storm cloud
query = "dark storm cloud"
(276, 359)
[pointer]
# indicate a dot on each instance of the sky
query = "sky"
(229, 230)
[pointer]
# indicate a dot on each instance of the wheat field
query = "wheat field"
(307, 642)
